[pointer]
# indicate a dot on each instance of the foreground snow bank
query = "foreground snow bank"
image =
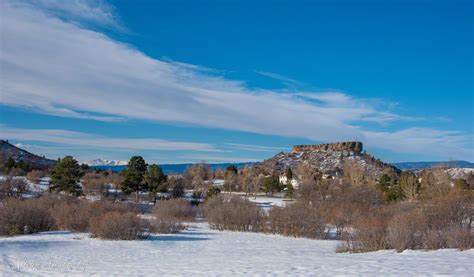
(200, 251)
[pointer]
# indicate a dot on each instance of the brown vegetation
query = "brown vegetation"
(102, 219)
(13, 187)
(119, 226)
(24, 217)
(297, 220)
(235, 214)
(170, 213)
(444, 222)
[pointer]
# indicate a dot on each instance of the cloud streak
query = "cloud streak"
(91, 141)
(53, 66)
(255, 148)
(292, 83)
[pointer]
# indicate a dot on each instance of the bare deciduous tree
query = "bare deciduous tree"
(409, 185)
(13, 187)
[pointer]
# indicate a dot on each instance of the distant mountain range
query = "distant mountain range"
(104, 162)
(327, 157)
(8, 150)
(174, 168)
(423, 165)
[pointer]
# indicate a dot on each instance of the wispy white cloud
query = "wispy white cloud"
(51, 65)
(289, 82)
(255, 148)
(217, 159)
(92, 141)
(82, 12)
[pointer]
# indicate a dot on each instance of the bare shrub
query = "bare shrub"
(170, 213)
(405, 230)
(179, 209)
(342, 215)
(24, 217)
(235, 214)
(72, 216)
(75, 215)
(298, 219)
(370, 233)
(118, 226)
(461, 238)
(176, 185)
(36, 175)
(94, 183)
(13, 187)
(439, 223)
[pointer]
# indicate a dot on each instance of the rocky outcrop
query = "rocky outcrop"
(327, 158)
(354, 146)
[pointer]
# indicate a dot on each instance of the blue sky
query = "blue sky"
(231, 81)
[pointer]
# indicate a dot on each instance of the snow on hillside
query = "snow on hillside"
(200, 251)
(460, 173)
(99, 162)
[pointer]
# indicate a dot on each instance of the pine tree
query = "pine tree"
(231, 169)
(134, 176)
(391, 190)
(66, 176)
(10, 163)
(289, 174)
(271, 184)
(155, 180)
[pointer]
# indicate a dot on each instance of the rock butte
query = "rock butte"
(354, 146)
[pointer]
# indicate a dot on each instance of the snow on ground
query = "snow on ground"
(268, 202)
(200, 251)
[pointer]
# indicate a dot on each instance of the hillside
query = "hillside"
(427, 165)
(327, 158)
(8, 150)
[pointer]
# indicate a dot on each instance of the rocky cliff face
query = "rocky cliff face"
(8, 150)
(353, 146)
(327, 158)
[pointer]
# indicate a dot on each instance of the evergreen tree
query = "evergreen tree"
(10, 163)
(231, 169)
(155, 180)
(212, 191)
(390, 189)
(66, 176)
(134, 176)
(289, 174)
(271, 185)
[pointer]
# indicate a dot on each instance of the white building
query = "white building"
(284, 180)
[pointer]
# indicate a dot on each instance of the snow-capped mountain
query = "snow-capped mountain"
(100, 161)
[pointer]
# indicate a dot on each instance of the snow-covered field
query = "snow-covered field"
(200, 251)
